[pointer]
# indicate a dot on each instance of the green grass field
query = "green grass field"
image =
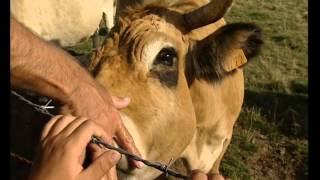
(270, 138)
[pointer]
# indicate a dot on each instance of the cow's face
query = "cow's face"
(149, 58)
(145, 60)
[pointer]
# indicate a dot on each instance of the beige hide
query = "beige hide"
(217, 108)
(66, 23)
(190, 123)
(160, 118)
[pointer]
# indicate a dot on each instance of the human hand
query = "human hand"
(95, 102)
(62, 151)
(199, 175)
(58, 76)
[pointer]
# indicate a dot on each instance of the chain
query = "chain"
(95, 140)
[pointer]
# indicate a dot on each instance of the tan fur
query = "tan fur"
(161, 119)
(194, 124)
(160, 114)
(235, 59)
(217, 107)
(71, 22)
(65, 22)
(68, 23)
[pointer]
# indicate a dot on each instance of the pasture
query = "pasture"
(270, 140)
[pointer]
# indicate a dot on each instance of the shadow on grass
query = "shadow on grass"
(269, 140)
(288, 112)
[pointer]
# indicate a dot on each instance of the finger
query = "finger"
(72, 126)
(97, 152)
(60, 125)
(81, 136)
(125, 140)
(197, 175)
(215, 177)
(101, 165)
(120, 103)
(48, 126)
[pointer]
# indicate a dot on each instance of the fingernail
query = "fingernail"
(115, 156)
(139, 164)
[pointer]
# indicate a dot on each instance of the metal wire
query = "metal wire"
(95, 140)
(161, 167)
(20, 158)
(40, 108)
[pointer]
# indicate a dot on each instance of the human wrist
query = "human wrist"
(81, 91)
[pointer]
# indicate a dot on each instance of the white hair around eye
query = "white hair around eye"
(151, 50)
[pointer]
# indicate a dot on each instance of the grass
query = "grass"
(270, 139)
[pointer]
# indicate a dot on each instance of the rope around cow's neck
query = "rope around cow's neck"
(95, 140)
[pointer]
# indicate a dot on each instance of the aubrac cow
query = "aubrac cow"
(186, 93)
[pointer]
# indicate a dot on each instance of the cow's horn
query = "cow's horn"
(207, 14)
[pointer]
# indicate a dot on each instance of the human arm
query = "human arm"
(41, 67)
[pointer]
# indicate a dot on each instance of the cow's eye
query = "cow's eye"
(166, 56)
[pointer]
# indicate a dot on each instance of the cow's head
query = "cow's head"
(150, 58)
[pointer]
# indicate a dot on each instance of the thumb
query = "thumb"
(120, 103)
(101, 165)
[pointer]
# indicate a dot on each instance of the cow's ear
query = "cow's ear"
(222, 52)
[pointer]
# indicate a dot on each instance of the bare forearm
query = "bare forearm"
(40, 66)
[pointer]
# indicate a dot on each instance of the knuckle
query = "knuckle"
(92, 126)
(68, 117)
(43, 143)
(48, 143)
(44, 133)
(68, 145)
(82, 118)
(128, 140)
(54, 140)
(89, 124)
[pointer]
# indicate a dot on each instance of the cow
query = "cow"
(69, 23)
(183, 72)
(65, 23)
(187, 88)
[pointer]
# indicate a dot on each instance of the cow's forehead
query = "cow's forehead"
(147, 35)
(149, 24)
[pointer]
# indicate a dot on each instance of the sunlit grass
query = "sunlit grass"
(270, 137)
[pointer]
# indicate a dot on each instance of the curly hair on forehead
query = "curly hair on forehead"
(169, 14)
